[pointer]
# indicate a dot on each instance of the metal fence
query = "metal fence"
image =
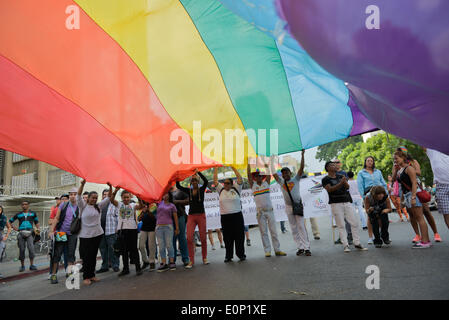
(8, 190)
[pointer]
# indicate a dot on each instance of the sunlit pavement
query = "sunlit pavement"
(405, 273)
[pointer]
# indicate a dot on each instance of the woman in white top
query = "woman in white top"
(231, 214)
(91, 231)
(127, 225)
(357, 200)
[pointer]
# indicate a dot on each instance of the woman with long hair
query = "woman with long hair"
(367, 178)
(425, 206)
(378, 207)
(197, 216)
(409, 184)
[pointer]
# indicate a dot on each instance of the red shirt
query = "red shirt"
(54, 211)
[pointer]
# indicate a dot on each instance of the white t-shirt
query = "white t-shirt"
(440, 166)
(354, 189)
(127, 216)
(293, 185)
(262, 195)
(230, 200)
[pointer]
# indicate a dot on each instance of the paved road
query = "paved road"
(329, 273)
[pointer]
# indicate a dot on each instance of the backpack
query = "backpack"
(63, 214)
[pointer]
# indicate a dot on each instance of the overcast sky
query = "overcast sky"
(312, 164)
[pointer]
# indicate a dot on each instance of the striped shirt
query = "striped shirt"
(111, 220)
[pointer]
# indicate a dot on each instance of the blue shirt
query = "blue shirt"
(366, 180)
(25, 220)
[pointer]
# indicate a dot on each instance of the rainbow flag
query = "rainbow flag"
(98, 87)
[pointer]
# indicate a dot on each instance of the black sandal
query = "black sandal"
(300, 252)
(308, 253)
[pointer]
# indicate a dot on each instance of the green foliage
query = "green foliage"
(329, 151)
(382, 149)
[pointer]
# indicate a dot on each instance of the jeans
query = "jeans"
(383, 235)
(266, 220)
(107, 252)
(192, 222)
(357, 203)
(233, 234)
(164, 235)
(147, 238)
(408, 200)
(181, 237)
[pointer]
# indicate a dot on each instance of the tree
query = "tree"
(382, 147)
(329, 151)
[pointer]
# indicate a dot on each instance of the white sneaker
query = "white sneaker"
(49, 277)
(347, 249)
(370, 241)
(213, 247)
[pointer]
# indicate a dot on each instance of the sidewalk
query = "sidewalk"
(10, 269)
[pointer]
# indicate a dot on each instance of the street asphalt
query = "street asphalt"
(405, 273)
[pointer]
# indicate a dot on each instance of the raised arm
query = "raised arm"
(301, 167)
(81, 188)
(183, 189)
(113, 201)
(273, 170)
(250, 176)
(238, 175)
(215, 176)
(205, 181)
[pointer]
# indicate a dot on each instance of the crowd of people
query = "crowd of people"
(142, 233)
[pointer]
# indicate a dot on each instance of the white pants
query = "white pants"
(357, 203)
(150, 237)
(342, 211)
(299, 231)
(266, 220)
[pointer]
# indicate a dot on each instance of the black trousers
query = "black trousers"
(130, 251)
(233, 228)
(89, 248)
(384, 223)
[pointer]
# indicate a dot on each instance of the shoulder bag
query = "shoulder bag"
(298, 208)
